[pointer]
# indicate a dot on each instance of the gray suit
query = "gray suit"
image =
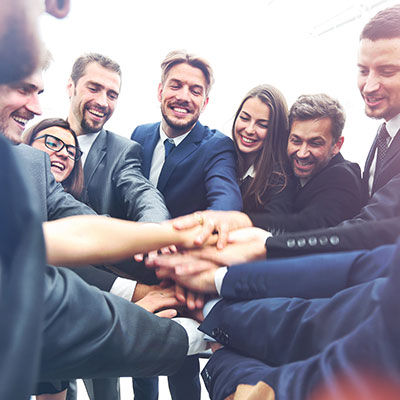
(115, 184)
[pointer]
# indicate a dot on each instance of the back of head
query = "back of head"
(384, 25)
(319, 106)
(80, 64)
(180, 56)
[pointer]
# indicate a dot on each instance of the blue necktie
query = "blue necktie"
(382, 146)
(169, 145)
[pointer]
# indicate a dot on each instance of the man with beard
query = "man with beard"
(329, 187)
(193, 166)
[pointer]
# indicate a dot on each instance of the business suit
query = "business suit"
(114, 183)
(286, 342)
(376, 224)
(332, 195)
(199, 174)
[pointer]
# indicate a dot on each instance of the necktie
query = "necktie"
(382, 146)
(169, 145)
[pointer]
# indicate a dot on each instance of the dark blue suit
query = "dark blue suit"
(294, 344)
(199, 174)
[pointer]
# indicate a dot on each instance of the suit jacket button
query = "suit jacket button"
(334, 240)
(301, 242)
(323, 240)
(290, 243)
(312, 241)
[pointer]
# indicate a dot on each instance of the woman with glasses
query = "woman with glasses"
(55, 137)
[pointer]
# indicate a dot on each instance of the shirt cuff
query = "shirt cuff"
(196, 342)
(219, 278)
(124, 288)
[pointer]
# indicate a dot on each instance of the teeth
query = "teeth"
(247, 140)
(97, 113)
(58, 165)
(20, 120)
(180, 110)
(303, 162)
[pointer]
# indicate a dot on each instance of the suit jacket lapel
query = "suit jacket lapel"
(369, 160)
(149, 144)
(96, 154)
(183, 150)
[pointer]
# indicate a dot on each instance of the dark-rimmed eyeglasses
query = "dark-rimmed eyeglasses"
(55, 144)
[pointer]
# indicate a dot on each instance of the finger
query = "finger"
(138, 257)
(180, 293)
(165, 250)
(185, 222)
(163, 273)
(208, 229)
(190, 300)
(167, 313)
(223, 232)
(152, 255)
(199, 301)
(173, 249)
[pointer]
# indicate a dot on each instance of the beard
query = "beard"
(179, 127)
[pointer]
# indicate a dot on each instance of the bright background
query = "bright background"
(301, 47)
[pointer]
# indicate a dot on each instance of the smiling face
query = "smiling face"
(251, 126)
(19, 103)
(311, 146)
(379, 77)
(61, 164)
(93, 99)
(183, 98)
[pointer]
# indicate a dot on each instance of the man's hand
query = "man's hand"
(222, 222)
(158, 299)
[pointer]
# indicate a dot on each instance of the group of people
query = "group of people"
(210, 214)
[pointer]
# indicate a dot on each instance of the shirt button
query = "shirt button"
(301, 242)
(291, 243)
(312, 241)
(334, 240)
(323, 240)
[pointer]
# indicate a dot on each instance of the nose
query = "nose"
(250, 128)
(101, 99)
(371, 83)
(63, 153)
(33, 104)
(303, 151)
(183, 93)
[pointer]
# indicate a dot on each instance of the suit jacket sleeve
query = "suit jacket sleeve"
(314, 276)
(97, 277)
(222, 189)
(140, 199)
(332, 196)
(110, 336)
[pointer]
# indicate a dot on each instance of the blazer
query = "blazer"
(114, 183)
(377, 223)
(107, 336)
(334, 194)
(199, 174)
(296, 345)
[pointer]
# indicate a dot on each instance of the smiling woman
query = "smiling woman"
(55, 137)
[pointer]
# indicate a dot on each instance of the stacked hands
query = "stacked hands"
(211, 240)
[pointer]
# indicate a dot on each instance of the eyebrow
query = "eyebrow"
(99, 85)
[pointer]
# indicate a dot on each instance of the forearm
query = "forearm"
(83, 240)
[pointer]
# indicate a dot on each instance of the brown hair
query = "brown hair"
(73, 184)
(384, 25)
(271, 160)
(180, 56)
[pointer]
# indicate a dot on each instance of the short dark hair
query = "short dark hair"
(79, 67)
(318, 106)
(384, 25)
(179, 57)
(74, 182)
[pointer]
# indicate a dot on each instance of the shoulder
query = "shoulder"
(145, 129)
(118, 142)
(340, 169)
(211, 137)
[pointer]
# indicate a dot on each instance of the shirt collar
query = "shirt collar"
(177, 140)
(250, 172)
(393, 126)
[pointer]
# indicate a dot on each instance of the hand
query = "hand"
(158, 299)
(221, 221)
(153, 254)
(193, 300)
(58, 8)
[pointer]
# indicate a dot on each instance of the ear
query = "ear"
(338, 145)
(204, 104)
(159, 91)
(70, 88)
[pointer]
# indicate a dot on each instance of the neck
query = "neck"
(172, 132)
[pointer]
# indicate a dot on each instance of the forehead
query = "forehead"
(34, 81)
(188, 74)
(95, 73)
(379, 52)
(64, 134)
(312, 129)
(256, 107)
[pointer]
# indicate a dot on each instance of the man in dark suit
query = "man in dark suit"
(193, 166)
(329, 187)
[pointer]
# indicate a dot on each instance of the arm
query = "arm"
(222, 189)
(329, 198)
(140, 199)
(96, 239)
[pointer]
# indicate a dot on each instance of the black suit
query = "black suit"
(377, 223)
(332, 195)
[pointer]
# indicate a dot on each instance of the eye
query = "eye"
(54, 144)
(244, 118)
(263, 125)
(197, 91)
(295, 141)
(113, 96)
(71, 150)
(92, 89)
(363, 71)
(316, 144)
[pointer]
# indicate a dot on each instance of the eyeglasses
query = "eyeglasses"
(55, 144)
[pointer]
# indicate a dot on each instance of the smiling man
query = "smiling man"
(193, 166)
(329, 189)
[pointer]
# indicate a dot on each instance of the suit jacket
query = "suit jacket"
(199, 174)
(329, 197)
(114, 183)
(376, 224)
(351, 334)
(38, 304)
